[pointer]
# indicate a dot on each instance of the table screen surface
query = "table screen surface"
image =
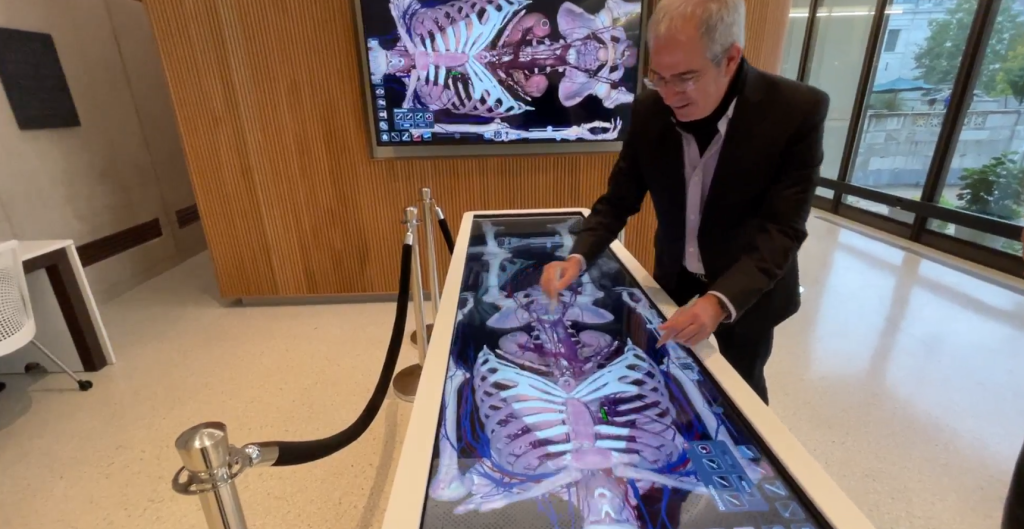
(563, 414)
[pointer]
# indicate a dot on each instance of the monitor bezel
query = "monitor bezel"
(489, 149)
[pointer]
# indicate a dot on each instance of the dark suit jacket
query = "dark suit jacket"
(755, 215)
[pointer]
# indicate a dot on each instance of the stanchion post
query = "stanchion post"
(407, 380)
(211, 466)
(428, 208)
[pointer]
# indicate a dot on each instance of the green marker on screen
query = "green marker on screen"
(604, 415)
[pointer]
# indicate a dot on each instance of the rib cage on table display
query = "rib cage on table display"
(564, 414)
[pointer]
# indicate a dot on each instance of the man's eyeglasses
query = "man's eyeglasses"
(684, 83)
(679, 83)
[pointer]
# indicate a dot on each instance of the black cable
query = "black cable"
(301, 452)
(447, 232)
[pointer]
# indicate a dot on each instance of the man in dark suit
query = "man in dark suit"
(729, 155)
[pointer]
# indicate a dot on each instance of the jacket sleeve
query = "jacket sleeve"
(626, 191)
(780, 227)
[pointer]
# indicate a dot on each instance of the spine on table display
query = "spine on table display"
(291, 453)
(442, 223)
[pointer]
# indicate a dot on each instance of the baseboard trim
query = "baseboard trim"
(187, 216)
(117, 243)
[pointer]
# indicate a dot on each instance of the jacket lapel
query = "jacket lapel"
(669, 144)
(738, 151)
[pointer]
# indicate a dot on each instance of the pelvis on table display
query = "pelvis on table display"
(564, 398)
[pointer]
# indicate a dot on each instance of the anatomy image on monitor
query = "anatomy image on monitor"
(505, 70)
(565, 407)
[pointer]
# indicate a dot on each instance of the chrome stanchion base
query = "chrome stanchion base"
(414, 337)
(406, 382)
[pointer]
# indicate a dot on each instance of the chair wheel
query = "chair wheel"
(84, 385)
(34, 367)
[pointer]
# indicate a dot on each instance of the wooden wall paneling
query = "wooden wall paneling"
(193, 48)
(270, 104)
(767, 21)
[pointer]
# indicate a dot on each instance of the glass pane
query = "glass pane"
(825, 192)
(798, 14)
(992, 241)
(881, 209)
(987, 169)
(920, 54)
(840, 40)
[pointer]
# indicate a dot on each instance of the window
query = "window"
(907, 103)
(798, 15)
(987, 170)
(841, 36)
(919, 48)
(891, 39)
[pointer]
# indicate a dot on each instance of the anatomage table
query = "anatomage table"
(562, 413)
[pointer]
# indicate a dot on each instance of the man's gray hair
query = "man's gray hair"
(721, 22)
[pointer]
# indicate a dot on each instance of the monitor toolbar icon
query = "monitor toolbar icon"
(417, 136)
(723, 482)
(382, 114)
(774, 488)
(748, 452)
(396, 136)
(381, 103)
(790, 509)
(428, 136)
(379, 91)
(383, 125)
(384, 136)
(713, 464)
(406, 136)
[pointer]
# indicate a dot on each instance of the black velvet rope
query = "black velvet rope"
(447, 232)
(301, 452)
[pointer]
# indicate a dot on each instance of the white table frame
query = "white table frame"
(59, 259)
(408, 494)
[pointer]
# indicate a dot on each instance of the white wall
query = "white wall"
(122, 167)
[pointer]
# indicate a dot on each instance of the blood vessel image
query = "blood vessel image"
(542, 401)
(477, 64)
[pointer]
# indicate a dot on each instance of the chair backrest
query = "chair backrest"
(17, 326)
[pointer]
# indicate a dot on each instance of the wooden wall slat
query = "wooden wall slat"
(269, 100)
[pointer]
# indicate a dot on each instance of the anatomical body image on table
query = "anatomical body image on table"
(563, 413)
(505, 70)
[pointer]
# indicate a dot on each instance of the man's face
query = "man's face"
(688, 81)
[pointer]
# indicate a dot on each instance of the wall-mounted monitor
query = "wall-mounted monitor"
(485, 77)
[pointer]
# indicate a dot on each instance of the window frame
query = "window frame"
(926, 208)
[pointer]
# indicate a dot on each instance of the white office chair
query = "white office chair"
(17, 324)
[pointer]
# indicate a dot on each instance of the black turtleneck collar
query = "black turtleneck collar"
(705, 129)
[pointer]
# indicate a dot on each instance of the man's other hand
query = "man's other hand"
(559, 275)
(693, 324)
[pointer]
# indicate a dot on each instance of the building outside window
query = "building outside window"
(918, 54)
(912, 84)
